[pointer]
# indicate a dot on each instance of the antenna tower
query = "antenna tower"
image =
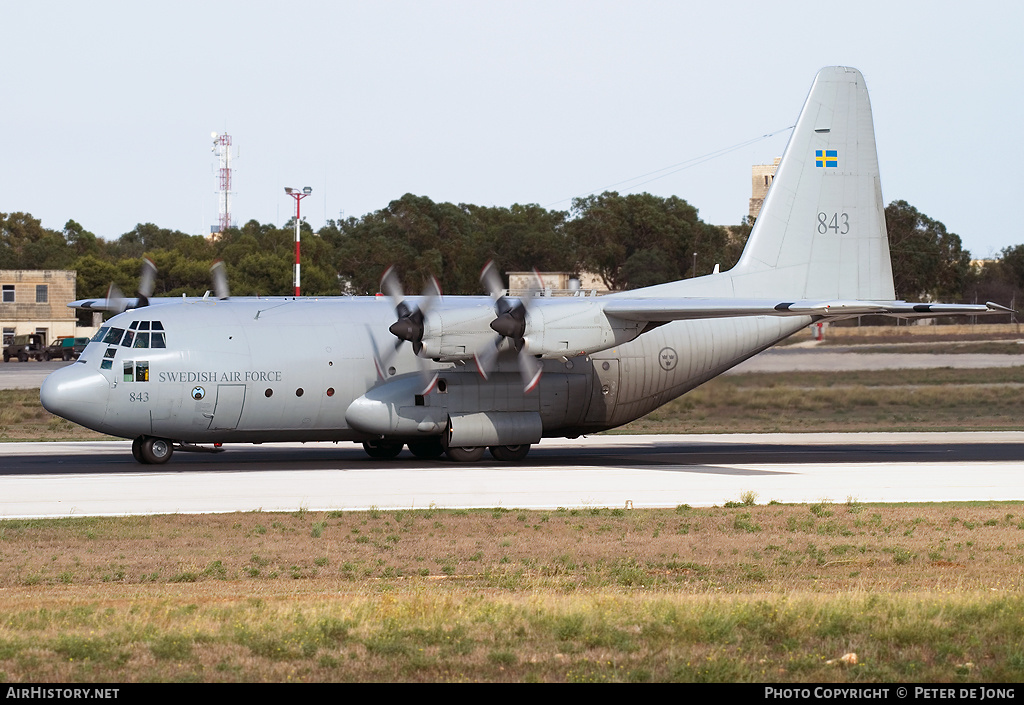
(222, 148)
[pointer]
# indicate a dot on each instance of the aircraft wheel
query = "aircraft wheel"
(381, 449)
(510, 453)
(137, 449)
(427, 449)
(155, 451)
(463, 454)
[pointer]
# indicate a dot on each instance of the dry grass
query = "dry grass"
(826, 546)
(886, 400)
(744, 592)
(23, 418)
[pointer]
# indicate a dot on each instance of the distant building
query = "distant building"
(36, 301)
(559, 283)
(761, 178)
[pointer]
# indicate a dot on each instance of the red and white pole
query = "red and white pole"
(298, 196)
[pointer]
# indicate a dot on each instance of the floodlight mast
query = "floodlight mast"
(298, 196)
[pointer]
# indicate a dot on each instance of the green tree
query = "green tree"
(81, 242)
(522, 237)
(641, 239)
(1011, 260)
(928, 262)
(26, 244)
(417, 236)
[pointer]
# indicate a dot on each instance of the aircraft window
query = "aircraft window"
(157, 325)
(157, 341)
(129, 371)
(143, 325)
(127, 341)
(113, 336)
(110, 353)
(106, 364)
(141, 340)
(142, 371)
(100, 334)
(133, 325)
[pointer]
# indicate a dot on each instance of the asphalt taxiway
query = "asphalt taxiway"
(101, 478)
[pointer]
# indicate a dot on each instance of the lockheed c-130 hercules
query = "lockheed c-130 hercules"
(458, 375)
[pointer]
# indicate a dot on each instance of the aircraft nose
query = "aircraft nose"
(76, 393)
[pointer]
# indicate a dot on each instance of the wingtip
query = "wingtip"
(992, 306)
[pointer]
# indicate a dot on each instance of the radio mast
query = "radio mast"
(222, 148)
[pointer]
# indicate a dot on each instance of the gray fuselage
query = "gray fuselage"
(257, 370)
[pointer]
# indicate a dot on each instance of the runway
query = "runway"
(101, 478)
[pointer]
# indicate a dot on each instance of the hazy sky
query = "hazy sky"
(108, 107)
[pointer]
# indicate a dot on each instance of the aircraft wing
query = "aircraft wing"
(678, 309)
(123, 304)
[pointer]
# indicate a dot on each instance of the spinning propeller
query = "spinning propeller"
(219, 274)
(409, 326)
(510, 324)
(117, 303)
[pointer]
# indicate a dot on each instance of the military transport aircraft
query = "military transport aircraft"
(458, 375)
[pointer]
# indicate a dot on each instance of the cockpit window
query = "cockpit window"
(113, 336)
(138, 335)
(100, 334)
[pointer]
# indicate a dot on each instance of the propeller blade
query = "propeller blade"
(530, 368)
(487, 358)
(431, 294)
(430, 379)
(491, 280)
(147, 281)
(383, 363)
(219, 273)
(391, 286)
(116, 302)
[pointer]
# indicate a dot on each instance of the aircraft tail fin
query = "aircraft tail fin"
(821, 231)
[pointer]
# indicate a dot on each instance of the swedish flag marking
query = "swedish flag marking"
(826, 157)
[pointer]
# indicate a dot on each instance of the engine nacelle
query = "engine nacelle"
(564, 327)
(574, 326)
(458, 333)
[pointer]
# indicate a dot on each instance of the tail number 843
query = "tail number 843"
(836, 223)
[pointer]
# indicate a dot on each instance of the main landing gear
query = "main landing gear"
(433, 448)
(152, 451)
